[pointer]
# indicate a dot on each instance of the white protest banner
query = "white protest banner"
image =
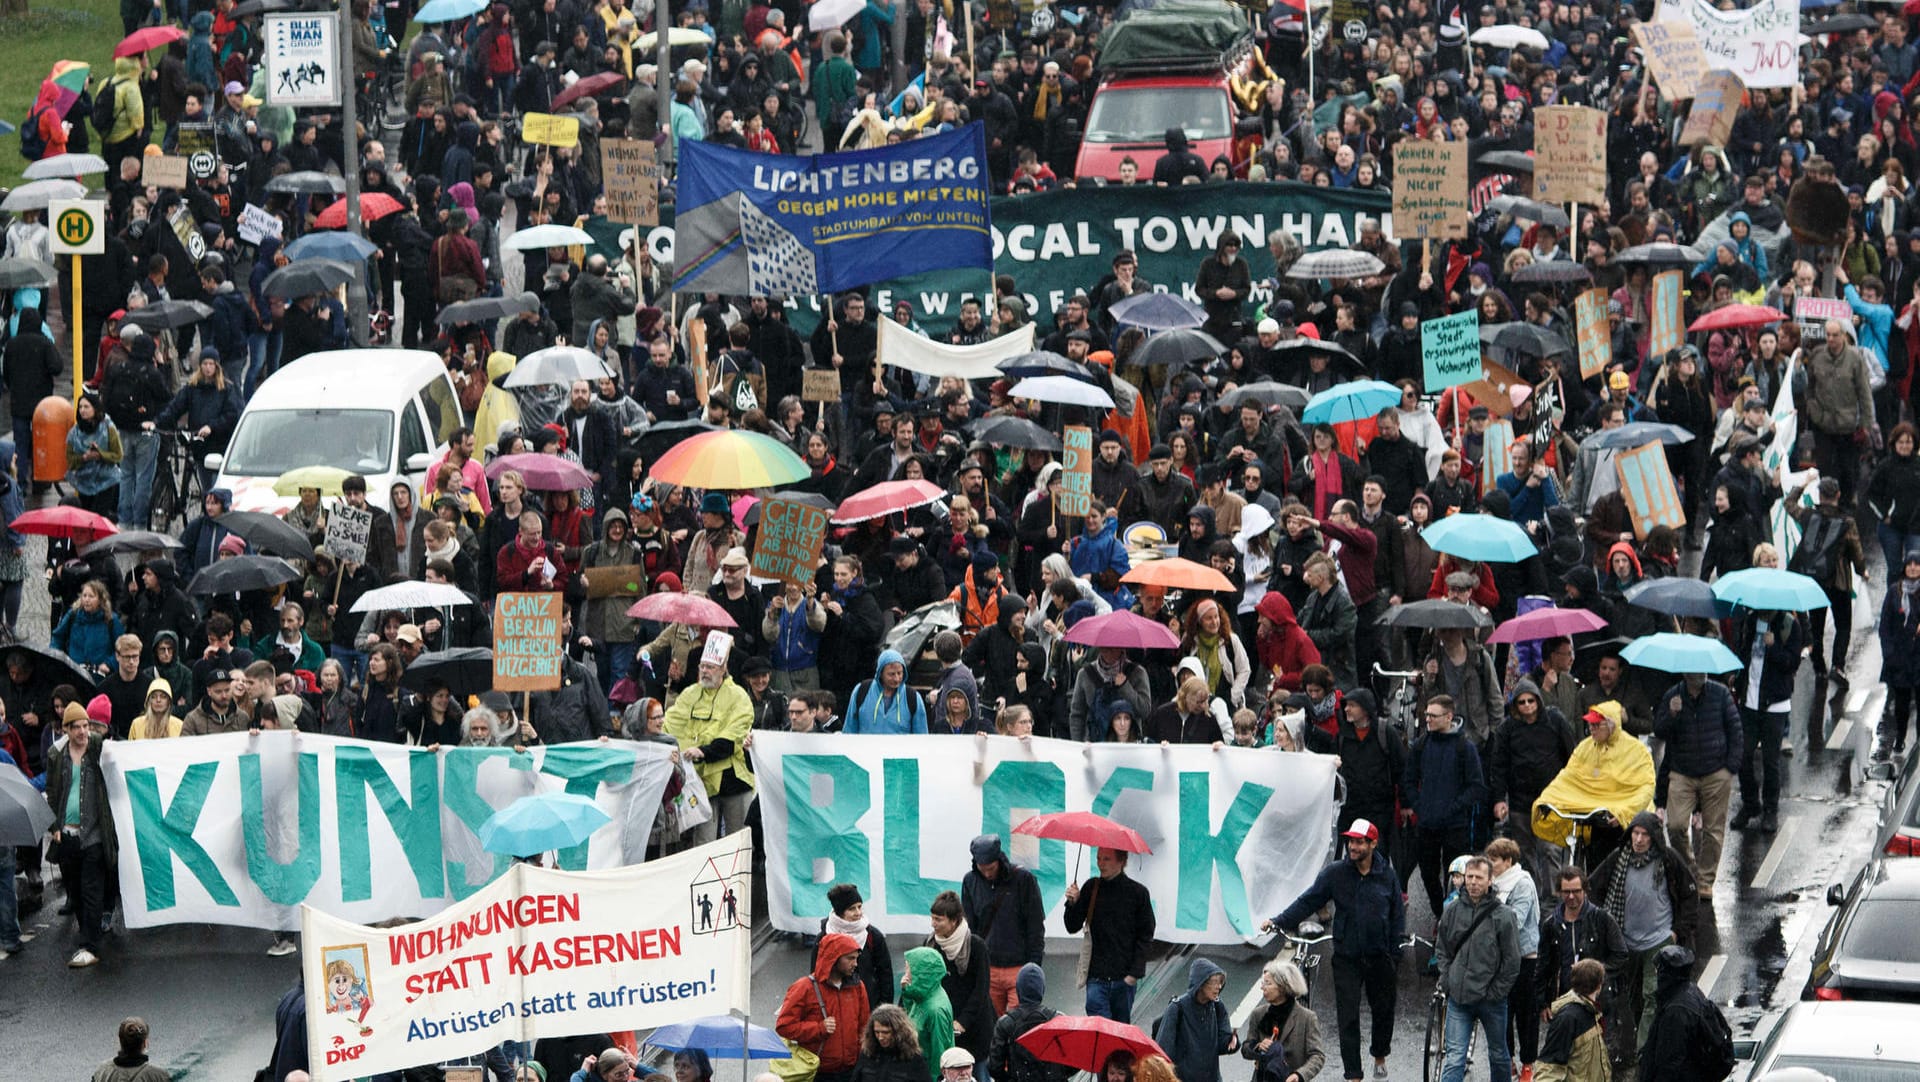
(1759, 44)
(242, 829)
(902, 348)
(348, 530)
(537, 953)
(257, 225)
(1236, 833)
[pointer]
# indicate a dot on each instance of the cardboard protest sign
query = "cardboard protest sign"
(1430, 189)
(1592, 332)
(787, 546)
(1674, 56)
(1669, 329)
(164, 171)
(526, 641)
(820, 385)
(348, 529)
(257, 225)
(1569, 154)
(1077, 479)
(1716, 101)
(1496, 456)
(1647, 485)
(631, 179)
(553, 131)
(1450, 350)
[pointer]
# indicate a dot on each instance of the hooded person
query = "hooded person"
(1651, 895)
(830, 991)
(885, 704)
(1002, 905)
(1690, 1039)
(926, 1003)
(158, 719)
(849, 919)
(1174, 168)
(1283, 649)
(1196, 1028)
(1010, 1059)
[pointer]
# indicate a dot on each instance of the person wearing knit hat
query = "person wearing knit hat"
(77, 792)
(849, 918)
(232, 545)
(159, 720)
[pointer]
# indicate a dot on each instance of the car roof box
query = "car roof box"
(1175, 36)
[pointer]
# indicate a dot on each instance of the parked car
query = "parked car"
(1899, 825)
(1847, 1042)
(1868, 949)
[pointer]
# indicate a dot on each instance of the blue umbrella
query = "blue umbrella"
(1678, 597)
(446, 11)
(1158, 312)
(1770, 589)
(1350, 402)
(1480, 537)
(345, 247)
(542, 823)
(1673, 653)
(718, 1035)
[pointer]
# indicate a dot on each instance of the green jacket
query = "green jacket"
(833, 82)
(926, 1003)
(130, 107)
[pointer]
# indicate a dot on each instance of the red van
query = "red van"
(1130, 116)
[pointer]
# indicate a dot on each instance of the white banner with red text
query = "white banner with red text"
(536, 953)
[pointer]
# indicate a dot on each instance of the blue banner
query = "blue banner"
(761, 224)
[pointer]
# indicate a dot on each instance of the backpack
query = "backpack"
(1710, 1056)
(1819, 548)
(33, 146)
(106, 106)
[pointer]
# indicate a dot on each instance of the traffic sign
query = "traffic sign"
(78, 226)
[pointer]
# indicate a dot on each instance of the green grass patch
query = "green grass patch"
(31, 43)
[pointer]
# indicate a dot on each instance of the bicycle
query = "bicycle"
(1433, 1050)
(176, 480)
(1310, 935)
(1581, 823)
(1401, 706)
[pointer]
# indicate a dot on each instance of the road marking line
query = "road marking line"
(1838, 738)
(1857, 698)
(1248, 1002)
(1711, 974)
(1776, 853)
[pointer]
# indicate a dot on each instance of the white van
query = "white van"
(385, 414)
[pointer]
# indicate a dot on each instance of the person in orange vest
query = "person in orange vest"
(978, 598)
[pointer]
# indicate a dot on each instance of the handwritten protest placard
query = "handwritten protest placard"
(1450, 349)
(1715, 103)
(820, 385)
(1667, 332)
(1592, 332)
(1569, 154)
(526, 641)
(788, 544)
(631, 179)
(257, 225)
(1647, 485)
(1810, 314)
(1760, 43)
(1430, 188)
(348, 529)
(1673, 55)
(163, 171)
(553, 131)
(1496, 456)
(1077, 490)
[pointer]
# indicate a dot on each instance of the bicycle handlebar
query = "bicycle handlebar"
(1378, 671)
(1303, 940)
(1580, 817)
(1411, 940)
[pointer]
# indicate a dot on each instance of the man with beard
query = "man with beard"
(885, 462)
(1074, 318)
(1165, 493)
(590, 434)
(1397, 462)
(1115, 479)
(849, 342)
(711, 721)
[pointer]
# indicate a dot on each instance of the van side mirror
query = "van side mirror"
(214, 461)
(418, 463)
(1836, 894)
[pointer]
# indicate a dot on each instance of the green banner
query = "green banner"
(1059, 243)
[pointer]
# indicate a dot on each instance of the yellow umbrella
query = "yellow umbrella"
(676, 36)
(325, 478)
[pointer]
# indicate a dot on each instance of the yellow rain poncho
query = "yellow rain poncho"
(1617, 776)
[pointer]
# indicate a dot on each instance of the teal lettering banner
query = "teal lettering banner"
(241, 829)
(1236, 833)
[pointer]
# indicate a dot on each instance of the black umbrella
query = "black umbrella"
(1528, 338)
(1506, 161)
(1437, 614)
(1297, 351)
(263, 7)
(62, 669)
(487, 309)
(1015, 432)
(238, 574)
(1678, 597)
(811, 499)
(1839, 24)
(306, 182)
(132, 541)
(307, 277)
(168, 315)
(1267, 393)
(1553, 270)
(269, 534)
(1041, 362)
(464, 670)
(1661, 255)
(656, 440)
(1180, 347)
(1531, 210)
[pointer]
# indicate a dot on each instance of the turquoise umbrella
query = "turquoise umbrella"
(542, 823)
(1770, 589)
(1479, 537)
(1354, 401)
(1670, 652)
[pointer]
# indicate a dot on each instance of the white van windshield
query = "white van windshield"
(1143, 114)
(268, 443)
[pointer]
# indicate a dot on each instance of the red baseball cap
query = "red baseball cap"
(1362, 828)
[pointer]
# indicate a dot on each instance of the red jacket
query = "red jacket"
(1286, 645)
(510, 567)
(801, 1020)
(1485, 594)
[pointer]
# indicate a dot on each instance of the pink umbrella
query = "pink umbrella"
(543, 473)
(886, 498)
(1085, 828)
(677, 608)
(1546, 624)
(1123, 630)
(742, 505)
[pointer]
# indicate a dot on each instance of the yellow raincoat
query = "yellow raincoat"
(1617, 776)
(699, 717)
(497, 407)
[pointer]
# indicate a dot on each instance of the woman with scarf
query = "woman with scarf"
(1284, 1038)
(966, 977)
(407, 519)
(1900, 649)
(386, 703)
(1194, 716)
(93, 457)
(1326, 474)
(1211, 639)
(849, 918)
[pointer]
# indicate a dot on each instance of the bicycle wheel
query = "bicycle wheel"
(1435, 1049)
(166, 494)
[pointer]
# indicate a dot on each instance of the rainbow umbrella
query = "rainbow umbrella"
(69, 78)
(730, 460)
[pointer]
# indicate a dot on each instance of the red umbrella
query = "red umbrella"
(669, 607)
(1737, 315)
(373, 207)
(1545, 624)
(151, 37)
(1123, 630)
(886, 498)
(1086, 1043)
(589, 87)
(70, 523)
(1085, 828)
(542, 473)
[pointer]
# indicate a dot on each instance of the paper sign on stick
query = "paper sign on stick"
(1592, 332)
(1450, 349)
(1570, 154)
(787, 546)
(1715, 103)
(1668, 331)
(631, 180)
(1673, 55)
(1429, 189)
(554, 131)
(1646, 484)
(1077, 480)
(348, 529)
(526, 641)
